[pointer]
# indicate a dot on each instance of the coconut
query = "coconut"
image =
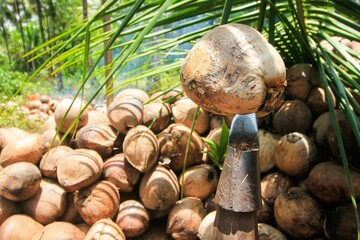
(157, 116)
(169, 96)
(79, 168)
(99, 137)
(139, 94)
(299, 81)
(48, 204)
(96, 117)
(27, 149)
(84, 227)
(70, 214)
(293, 116)
(266, 213)
(179, 224)
(98, 201)
(266, 232)
(141, 148)
(7, 209)
(125, 113)
(295, 154)
(159, 188)
(238, 68)
(317, 101)
(299, 214)
(206, 226)
(199, 181)
(132, 218)
(48, 163)
(67, 112)
(121, 173)
(183, 111)
(172, 143)
(9, 134)
(19, 227)
(19, 181)
(267, 144)
(105, 229)
(321, 127)
(59, 231)
(273, 184)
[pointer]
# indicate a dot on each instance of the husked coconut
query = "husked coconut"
(137, 93)
(48, 163)
(105, 229)
(19, 226)
(240, 72)
(59, 231)
(157, 116)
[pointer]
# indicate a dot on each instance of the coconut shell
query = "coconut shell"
(79, 168)
(206, 226)
(7, 209)
(59, 231)
(132, 218)
(238, 65)
(75, 110)
(48, 163)
(173, 141)
(292, 219)
(125, 113)
(99, 137)
(48, 204)
(98, 201)
(157, 116)
(183, 111)
(27, 149)
(121, 173)
(199, 181)
(267, 144)
(295, 154)
(317, 102)
(273, 184)
(19, 181)
(159, 188)
(105, 229)
(141, 148)
(179, 220)
(293, 116)
(19, 227)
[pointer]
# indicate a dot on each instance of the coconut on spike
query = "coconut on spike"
(240, 72)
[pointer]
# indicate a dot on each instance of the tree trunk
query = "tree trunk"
(5, 36)
(108, 60)
(38, 12)
(17, 9)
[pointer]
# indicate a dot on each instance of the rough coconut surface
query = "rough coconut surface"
(229, 70)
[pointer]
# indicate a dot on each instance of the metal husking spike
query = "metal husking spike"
(238, 192)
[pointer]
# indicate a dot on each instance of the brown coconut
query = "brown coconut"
(267, 144)
(19, 181)
(105, 229)
(327, 181)
(266, 213)
(121, 173)
(98, 201)
(141, 148)
(67, 112)
(70, 214)
(169, 96)
(293, 116)
(49, 161)
(157, 116)
(199, 181)
(206, 226)
(156, 231)
(99, 137)
(7, 209)
(84, 227)
(79, 168)
(132, 218)
(19, 227)
(59, 231)
(97, 117)
(133, 93)
(183, 111)
(299, 214)
(268, 232)
(173, 141)
(27, 149)
(48, 204)
(317, 101)
(125, 113)
(179, 224)
(238, 67)
(159, 188)
(273, 184)
(299, 81)
(9, 134)
(295, 154)
(321, 127)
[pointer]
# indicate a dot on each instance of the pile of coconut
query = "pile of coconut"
(138, 170)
